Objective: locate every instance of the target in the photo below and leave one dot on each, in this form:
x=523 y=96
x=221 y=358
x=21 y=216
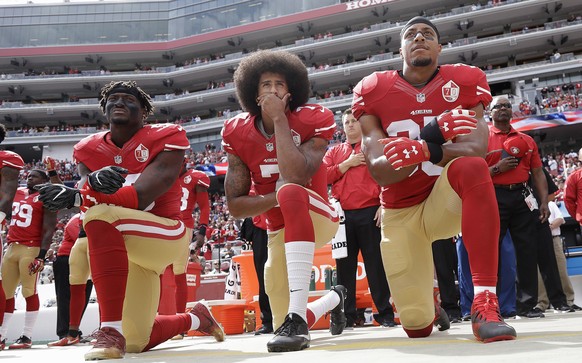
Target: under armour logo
x=407 y=152
x=446 y=127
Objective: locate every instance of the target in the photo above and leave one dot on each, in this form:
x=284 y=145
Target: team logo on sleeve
x=450 y=91
x=142 y=153
x=296 y=137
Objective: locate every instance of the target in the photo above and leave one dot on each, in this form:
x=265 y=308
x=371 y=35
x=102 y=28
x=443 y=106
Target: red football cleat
x=488 y=325
x=110 y=344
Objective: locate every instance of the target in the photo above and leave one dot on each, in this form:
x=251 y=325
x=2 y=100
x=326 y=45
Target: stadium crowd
x=223 y=228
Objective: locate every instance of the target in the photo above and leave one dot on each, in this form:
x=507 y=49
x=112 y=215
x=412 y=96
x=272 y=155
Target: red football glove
x=448 y=125
x=49 y=163
x=402 y=151
x=36 y=266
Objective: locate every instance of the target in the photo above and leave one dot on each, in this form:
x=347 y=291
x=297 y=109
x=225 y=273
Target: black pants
x=259 y=239
x=363 y=235
x=444 y=254
x=63 y=294
x=549 y=266
x=522 y=223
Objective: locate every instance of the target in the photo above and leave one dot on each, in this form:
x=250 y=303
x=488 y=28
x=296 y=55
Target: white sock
x=29 y=321
x=299 y=262
x=112 y=324
x=4 y=328
x=195 y=322
x=323 y=304
x=480 y=289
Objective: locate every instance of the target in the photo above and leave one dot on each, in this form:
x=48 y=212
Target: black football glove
x=107 y=180
x=57 y=196
x=202 y=229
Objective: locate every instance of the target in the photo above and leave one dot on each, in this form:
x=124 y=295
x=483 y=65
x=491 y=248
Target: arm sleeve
x=204 y=206
x=332 y=169
x=570 y=195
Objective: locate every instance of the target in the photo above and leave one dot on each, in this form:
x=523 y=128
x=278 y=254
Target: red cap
x=516 y=146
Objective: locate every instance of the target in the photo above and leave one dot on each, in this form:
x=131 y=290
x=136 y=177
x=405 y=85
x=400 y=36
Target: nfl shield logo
x=142 y=153
x=187 y=179
x=270 y=147
x=450 y=91
x=117 y=159
x=420 y=98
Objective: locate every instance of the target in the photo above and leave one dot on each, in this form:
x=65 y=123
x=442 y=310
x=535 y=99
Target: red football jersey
x=189 y=180
x=27 y=216
x=404 y=110
x=97 y=151
x=70 y=235
x=10 y=159
x=495 y=153
x=240 y=137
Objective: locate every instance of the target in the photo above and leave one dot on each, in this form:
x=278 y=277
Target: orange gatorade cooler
x=193 y=273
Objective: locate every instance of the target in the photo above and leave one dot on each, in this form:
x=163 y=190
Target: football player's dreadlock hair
x=130 y=87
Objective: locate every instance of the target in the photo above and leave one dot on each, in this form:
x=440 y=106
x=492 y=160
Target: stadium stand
x=55 y=57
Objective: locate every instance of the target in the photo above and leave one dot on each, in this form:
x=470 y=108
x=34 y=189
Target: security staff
x=358 y=195
x=511 y=157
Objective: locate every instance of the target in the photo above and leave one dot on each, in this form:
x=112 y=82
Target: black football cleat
x=337 y=321
x=292 y=336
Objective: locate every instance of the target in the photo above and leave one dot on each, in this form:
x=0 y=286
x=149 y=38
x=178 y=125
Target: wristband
x=436 y=152
x=41 y=254
x=432 y=133
x=52 y=173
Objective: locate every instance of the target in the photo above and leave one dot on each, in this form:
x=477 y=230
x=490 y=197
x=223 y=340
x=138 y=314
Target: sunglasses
x=499 y=105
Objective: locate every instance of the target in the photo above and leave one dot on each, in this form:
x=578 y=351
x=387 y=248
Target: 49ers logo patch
x=296 y=137
x=450 y=91
x=142 y=153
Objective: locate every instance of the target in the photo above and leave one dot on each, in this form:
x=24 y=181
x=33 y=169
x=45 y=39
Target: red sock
x=294 y=202
x=181 y=292
x=77 y=304
x=2 y=302
x=9 y=306
x=469 y=177
x=419 y=333
x=32 y=303
x=166 y=327
x=310 y=318
x=109 y=268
